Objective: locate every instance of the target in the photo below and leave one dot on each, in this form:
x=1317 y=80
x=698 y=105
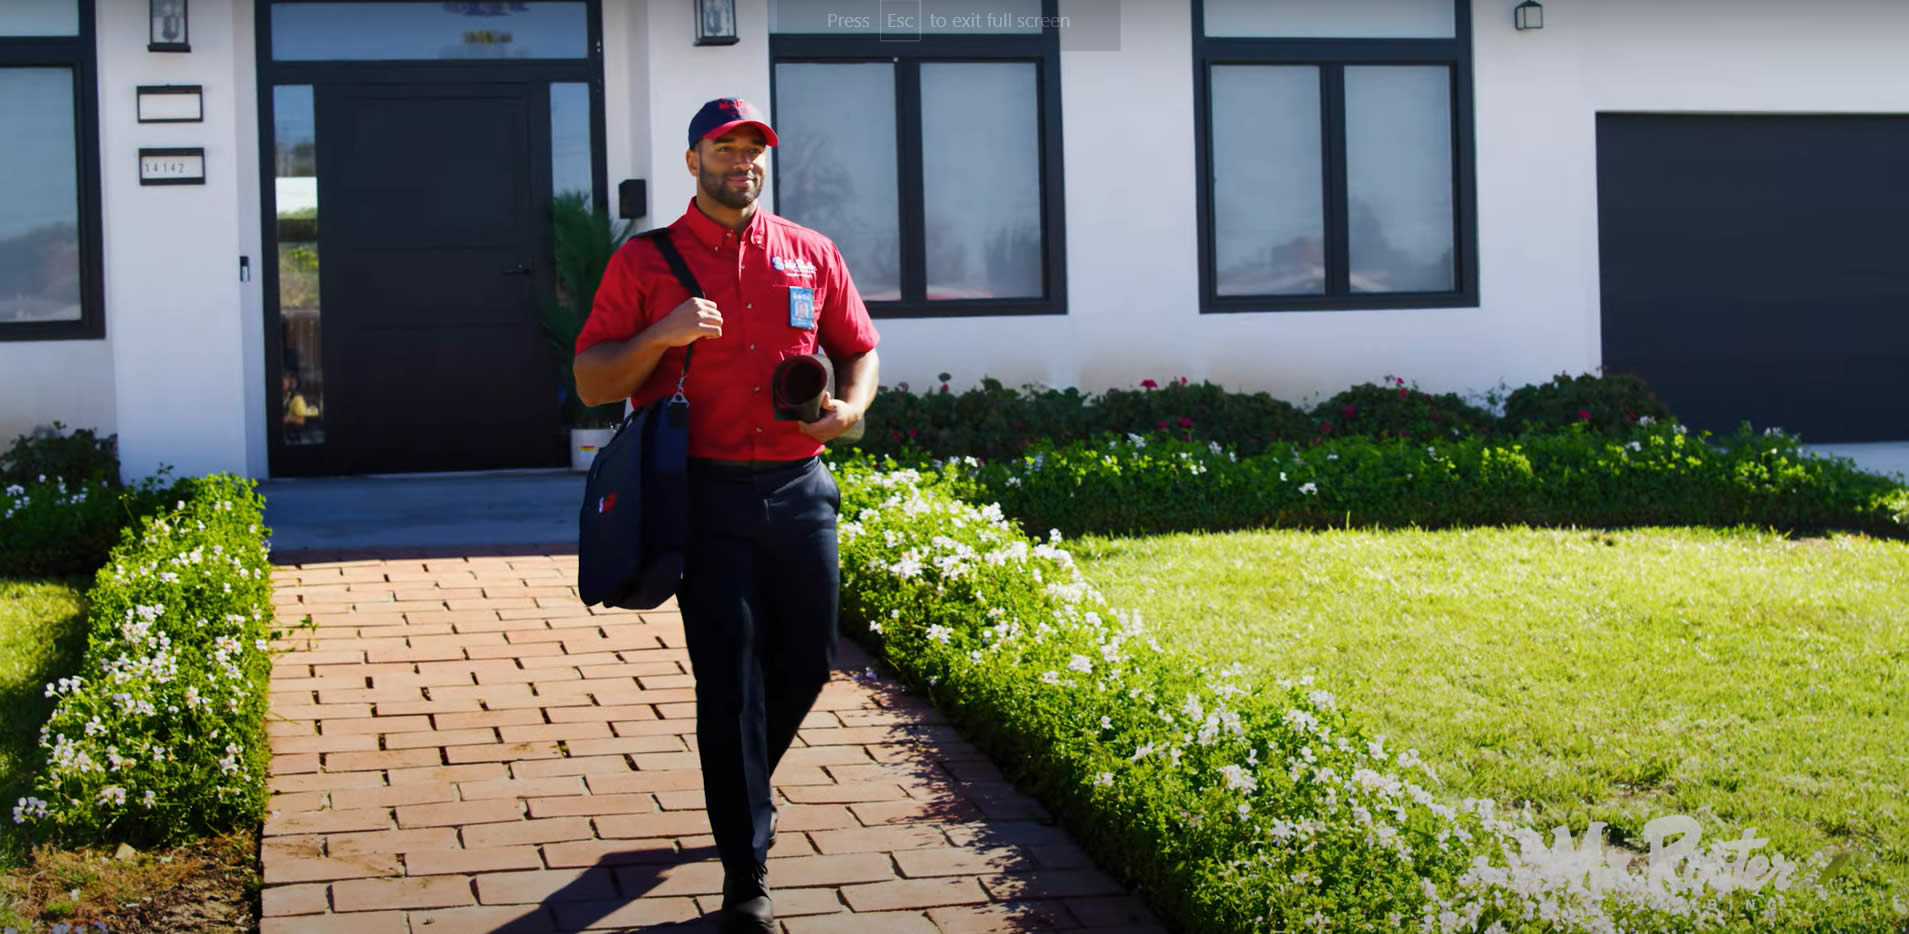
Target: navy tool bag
x=631 y=526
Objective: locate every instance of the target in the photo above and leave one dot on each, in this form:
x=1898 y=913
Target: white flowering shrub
x=161 y=734
x=1240 y=805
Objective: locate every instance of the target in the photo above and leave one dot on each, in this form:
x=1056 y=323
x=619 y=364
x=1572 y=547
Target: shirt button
x=752 y=346
x=758 y=388
x=758 y=429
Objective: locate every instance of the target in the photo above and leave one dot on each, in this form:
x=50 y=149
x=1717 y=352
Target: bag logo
x=606 y=504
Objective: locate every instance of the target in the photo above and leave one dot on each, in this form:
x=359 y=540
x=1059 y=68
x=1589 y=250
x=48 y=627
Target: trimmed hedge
x=1233 y=805
x=1655 y=475
x=161 y=737
x=994 y=422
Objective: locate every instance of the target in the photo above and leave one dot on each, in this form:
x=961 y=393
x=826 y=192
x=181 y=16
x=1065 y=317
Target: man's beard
x=717 y=186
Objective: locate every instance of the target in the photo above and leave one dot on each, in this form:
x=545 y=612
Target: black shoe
x=746 y=905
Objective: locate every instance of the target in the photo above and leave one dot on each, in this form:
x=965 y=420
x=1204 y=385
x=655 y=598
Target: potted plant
x=584 y=240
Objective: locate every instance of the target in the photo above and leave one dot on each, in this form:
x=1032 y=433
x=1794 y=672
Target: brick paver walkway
x=464 y=747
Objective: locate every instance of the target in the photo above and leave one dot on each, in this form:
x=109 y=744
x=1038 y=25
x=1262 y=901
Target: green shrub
x=1232 y=805
x=993 y=422
x=161 y=736
x=80 y=458
x=1611 y=404
x=53 y=529
x=1657 y=475
x=1396 y=411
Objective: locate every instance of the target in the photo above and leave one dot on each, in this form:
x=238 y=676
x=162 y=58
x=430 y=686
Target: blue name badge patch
x=802 y=308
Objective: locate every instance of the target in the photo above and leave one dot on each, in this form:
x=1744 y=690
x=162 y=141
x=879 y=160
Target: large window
x=1335 y=155
x=49 y=173
x=927 y=148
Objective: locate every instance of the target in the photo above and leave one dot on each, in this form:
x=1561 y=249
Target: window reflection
x=1399 y=179
x=570 y=171
x=39 y=18
x=397 y=31
x=39 y=197
x=981 y=181
x=295 y=156
x=835 y=169
x=1269 y=218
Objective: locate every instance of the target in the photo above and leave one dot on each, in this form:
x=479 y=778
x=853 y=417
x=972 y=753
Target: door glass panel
x=1399 y=178
x=1269 y=216
x=39 y=197
x=835 y=169
x=900 y=19
x=570 y=171
x=295 y=160
x=1333 y=19
x=40 y=18
x=981 y=179
x=433 y=31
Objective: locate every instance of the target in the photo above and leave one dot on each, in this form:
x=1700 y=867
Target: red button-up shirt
x=748 y=275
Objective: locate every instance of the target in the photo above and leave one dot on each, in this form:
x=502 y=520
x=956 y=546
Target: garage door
x=1757 y=268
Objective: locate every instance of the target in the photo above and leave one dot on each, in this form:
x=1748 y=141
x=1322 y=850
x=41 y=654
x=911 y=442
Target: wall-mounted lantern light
x=1529 y=15
x=168 y=27
x=715 y=22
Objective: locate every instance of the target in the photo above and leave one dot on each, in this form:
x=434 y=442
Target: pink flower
x=1149 y=384
x=1403 y=393
x=1163 y=425
x=1183 y=381
x=1351 y=410
x=1325 y=427
x=1584 y=414
x=1186 y=422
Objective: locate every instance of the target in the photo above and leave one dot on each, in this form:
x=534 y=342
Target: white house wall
x=184 y=336
x=1132 y=211
x=42 y=382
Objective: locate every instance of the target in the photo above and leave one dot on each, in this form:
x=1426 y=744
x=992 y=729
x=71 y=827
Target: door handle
x=521 y=269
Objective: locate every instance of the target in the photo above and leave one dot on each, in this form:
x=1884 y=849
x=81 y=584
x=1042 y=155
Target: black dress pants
x=759 y=597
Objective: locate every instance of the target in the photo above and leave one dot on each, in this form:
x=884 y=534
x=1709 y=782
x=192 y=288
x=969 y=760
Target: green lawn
x=1739 y=678
x=42 y=638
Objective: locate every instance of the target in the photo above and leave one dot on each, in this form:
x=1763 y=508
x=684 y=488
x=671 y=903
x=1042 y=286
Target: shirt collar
x=716 y=236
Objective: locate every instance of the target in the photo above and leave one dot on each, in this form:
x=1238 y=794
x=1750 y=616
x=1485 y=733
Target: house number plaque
x=172 y=166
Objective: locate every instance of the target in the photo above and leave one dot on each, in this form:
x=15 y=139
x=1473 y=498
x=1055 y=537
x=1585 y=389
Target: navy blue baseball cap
x=724 y=114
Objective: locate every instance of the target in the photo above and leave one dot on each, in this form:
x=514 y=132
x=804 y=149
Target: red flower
x=1183 y=381
x=944 y=387
x=1434 y=416
x=1584 y=414
x=1186 y=422
x=1351 y=410
x=1149 y=384
x=1325 y=427
x=1403 y=393
x=1163 y=425
x=911 y=432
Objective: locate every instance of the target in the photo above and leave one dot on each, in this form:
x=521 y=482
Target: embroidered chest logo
x=794 y=267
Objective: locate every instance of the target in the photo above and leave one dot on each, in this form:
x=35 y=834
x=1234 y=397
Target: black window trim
x=79 y=54
x=1043 y=50
x=1332 y=56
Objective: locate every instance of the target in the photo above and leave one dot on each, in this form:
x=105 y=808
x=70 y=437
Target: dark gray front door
x=433 y=259
x=1753 y=269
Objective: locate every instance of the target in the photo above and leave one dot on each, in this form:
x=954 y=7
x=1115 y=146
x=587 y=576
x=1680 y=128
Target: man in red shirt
x=761 y=577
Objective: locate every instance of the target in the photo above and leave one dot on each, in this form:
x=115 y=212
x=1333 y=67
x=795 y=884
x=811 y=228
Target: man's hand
x=839 y=417
x=689 y=322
